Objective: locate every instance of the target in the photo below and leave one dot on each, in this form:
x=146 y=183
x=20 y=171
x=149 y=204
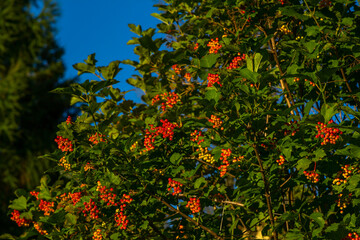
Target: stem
x=188 y=218
x=267 y=193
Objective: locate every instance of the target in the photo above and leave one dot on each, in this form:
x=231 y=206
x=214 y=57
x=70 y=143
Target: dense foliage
x=30 y=66
x=248 y=130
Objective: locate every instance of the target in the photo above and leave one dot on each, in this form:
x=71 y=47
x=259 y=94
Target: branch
x=188 y=218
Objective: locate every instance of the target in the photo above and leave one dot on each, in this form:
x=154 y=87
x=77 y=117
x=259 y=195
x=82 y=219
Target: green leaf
x=212 y=94
x=303 y=163
x=135 y=29
x=7 y=236
x=84 y=68
x=19 y=204
x=257 y=61
x=161 y=18
x=209 y=60
x=318 y=218
x=199 y=181
x=70 y=219
x=246 y=73
x=311 y=45
x=175 y=158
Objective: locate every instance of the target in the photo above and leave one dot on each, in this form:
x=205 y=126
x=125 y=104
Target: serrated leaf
x=19 y=204
x=213 y=94
x=175 y=158
x=199 y=181
x=209 y=60
x=84 y=68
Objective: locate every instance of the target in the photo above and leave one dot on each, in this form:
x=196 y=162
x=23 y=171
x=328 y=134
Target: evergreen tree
x=30 y=66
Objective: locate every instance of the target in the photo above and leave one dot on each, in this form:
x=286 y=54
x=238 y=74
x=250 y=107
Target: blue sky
x=101 y=27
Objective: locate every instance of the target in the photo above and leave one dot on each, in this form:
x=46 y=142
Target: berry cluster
x=88 y=167
x=176 y=68
x=325 y=3
x=96 y=138
x=205 y=155
x=134 y=146
x=194 y=205
x=68 y=120
x=46 y=207
x=328 y=134
x=214 y=45
x=35 y=194
x=212 y=79
x=64 y=163
x=311 y=83
x=343 y=201
x=174 y=187
x=296 y=79
x=225 y=154
x=97 y=235
x=106 y=194
x=170 y=98
x=15 y=216
x=284 y=29
x=238 y=159
x=92 y=209
x=216 y=122
x=346 y=172
x=120 y=217
x=64 y=144
x=352 y=236
x=281 y=160
x=196 y=46
x=294 y=127
x=235 y=62
x=312 y=176
x=195 y=137
x=72 y=198
x=187 y=77
x=166 y=130
x=38 y=228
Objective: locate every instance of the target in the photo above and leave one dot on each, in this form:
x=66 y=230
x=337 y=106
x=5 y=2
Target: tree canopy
x=249 y=129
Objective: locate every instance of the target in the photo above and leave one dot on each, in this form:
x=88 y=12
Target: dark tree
x=30 y=66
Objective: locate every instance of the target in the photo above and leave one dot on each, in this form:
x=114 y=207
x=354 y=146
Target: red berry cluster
x=311 y=83
x=187 y=76
x=214 y=45
x=64 y=144
x=294 y=127
x=166 y=130
x=35 y=194
x=195 y=137
x=46 y=207
x=194 y=205
x=90 y=207
x=174 y=187
x=212 y=79
x=225 y=154
x=346 y=172
x=170 y=98
x=234 y=63
x=325 y=3
x=68 y=120
x=38 y=228
x=106 y=194
x=15 y=216
x=328 y=134
x=352 y=236
x=96 y=138
x=216 y=122
x=176 y=68
x=312 y=176
x=280 y=161
x=120 y=217
x=343 y=201
x=97 y=235
x=196 y=46
x=73 y=198
x=88 y=167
